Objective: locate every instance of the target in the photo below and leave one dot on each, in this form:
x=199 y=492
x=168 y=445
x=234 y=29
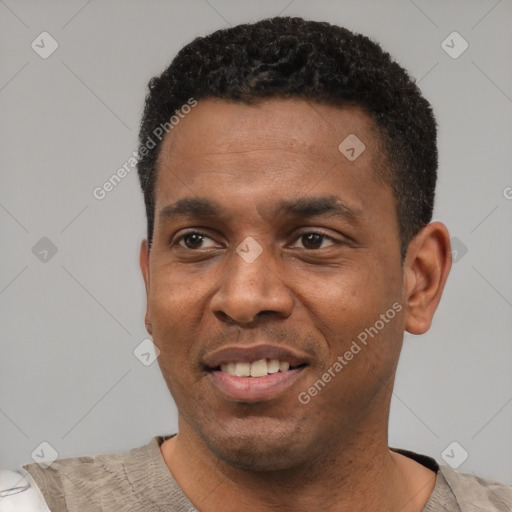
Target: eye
x=314 y=240
x=192 y=240
x=195 y=240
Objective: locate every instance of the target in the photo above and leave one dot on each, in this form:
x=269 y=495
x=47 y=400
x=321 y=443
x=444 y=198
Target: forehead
x=219 y=126
x=270 y=150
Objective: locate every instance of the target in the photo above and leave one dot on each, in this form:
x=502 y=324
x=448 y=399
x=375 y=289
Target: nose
x=248 y=289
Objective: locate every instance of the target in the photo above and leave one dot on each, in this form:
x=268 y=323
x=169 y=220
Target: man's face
x=274 y=274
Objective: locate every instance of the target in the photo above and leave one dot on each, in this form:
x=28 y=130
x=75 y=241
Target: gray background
x=69 y=325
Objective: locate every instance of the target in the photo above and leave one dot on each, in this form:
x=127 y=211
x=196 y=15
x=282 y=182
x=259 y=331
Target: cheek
x=173 y=294
x=350 y=304
x=173 y=308
x=344 y=298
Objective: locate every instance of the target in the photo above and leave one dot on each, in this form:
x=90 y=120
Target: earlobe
x=426 y=270
x=144 y=267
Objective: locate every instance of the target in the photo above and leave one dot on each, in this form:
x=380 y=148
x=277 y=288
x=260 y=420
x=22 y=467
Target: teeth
x=259 y=368
x=273 y=366
x=284 y=366
x=243 y=369
x=229 y=368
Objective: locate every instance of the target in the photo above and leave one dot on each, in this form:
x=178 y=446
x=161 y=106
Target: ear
x=144 y=267
x=426 y=268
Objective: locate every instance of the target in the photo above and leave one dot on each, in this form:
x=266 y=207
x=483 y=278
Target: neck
x=356 y=476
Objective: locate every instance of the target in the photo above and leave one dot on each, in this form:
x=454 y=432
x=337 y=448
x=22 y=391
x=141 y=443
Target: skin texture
x=311 y=294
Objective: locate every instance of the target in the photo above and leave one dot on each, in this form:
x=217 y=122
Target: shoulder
x=467 y=491
x=86 y=483
x=478 y=494
x=97 y=466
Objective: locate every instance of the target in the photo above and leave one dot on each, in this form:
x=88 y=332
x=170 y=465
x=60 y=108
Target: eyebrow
x=301 y=207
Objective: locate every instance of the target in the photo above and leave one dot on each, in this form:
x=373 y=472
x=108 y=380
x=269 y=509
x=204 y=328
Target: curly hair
x=286 y=57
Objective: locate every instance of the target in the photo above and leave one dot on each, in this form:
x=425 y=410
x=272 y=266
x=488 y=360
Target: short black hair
x=286 y=57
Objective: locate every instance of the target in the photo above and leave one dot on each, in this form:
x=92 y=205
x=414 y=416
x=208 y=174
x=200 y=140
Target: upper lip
x=248 y=354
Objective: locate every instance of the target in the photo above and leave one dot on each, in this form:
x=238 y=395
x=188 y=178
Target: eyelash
x=305 y=233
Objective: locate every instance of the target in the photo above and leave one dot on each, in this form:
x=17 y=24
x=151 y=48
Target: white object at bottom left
x=19 y=493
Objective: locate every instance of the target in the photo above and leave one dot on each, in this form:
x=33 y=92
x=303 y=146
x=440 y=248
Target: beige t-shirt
x=139 y=481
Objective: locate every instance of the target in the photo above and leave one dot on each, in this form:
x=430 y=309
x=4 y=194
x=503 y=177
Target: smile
x=254 y=374
x=251 y=389
x=260 y=368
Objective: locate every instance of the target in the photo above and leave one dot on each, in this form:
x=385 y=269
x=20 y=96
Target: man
x=288 y=169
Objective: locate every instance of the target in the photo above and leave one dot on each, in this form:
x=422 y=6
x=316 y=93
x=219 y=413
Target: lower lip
x=253 y=389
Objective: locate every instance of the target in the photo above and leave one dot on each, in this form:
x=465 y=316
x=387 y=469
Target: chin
x=261 y=445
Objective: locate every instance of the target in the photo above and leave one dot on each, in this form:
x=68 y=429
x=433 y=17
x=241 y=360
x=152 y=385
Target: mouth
x=254 y=374
x=257 y=369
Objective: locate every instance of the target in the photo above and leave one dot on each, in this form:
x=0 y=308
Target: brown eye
x=192 y=240
x=314 y=240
